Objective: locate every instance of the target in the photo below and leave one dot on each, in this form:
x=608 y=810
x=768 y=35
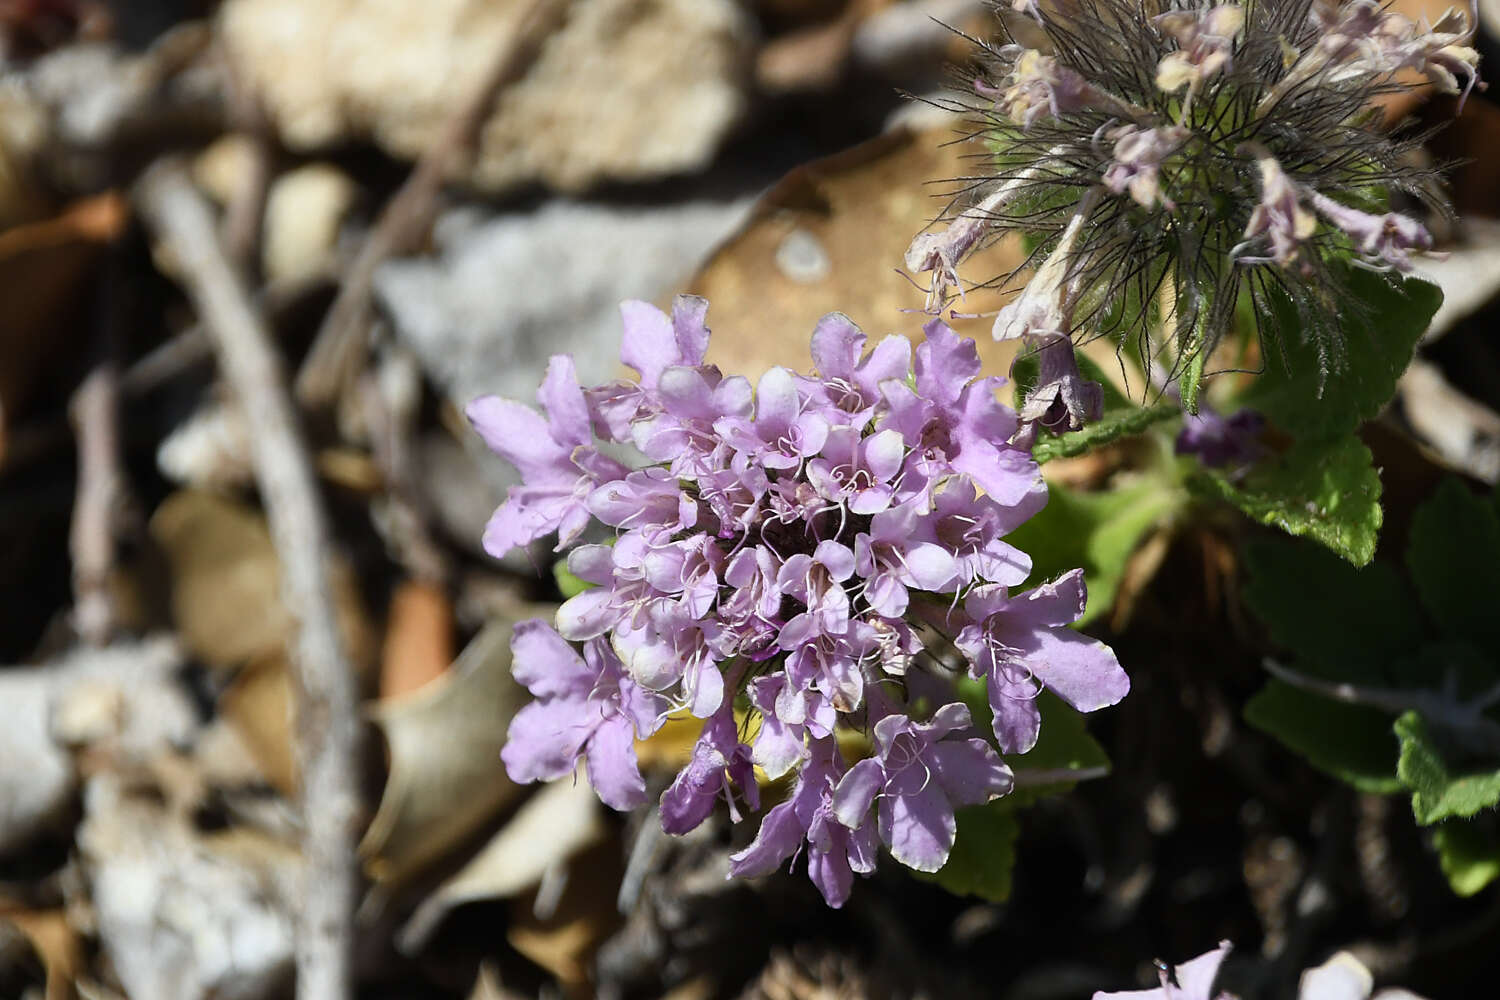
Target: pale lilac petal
x=1196 y=976
x=650 y=344
x=613 y=770
x=931 y=566
x=830 y=872
x=856 y=792
x=836 y=346
x=778 y=747
x=545 y=740
x=547 y=665
x=884 y=453
x=969 y=771
x=839 y=559
x=567 y=412
x=511 y=527
x=776 y=400
x=864 y=848
x=1017 y=720
x=945 y=363
x=890 y=359
x=919 y=829
x=1054 y=603
x=689 y=327
x=588 y=614
x=1081 y=671
x=780 y=835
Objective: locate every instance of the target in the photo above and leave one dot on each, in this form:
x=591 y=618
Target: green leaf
x=1343 y=622
x=983 y=859
x=1379 y=337
x=1454 y=557
x=1437 y=794
x=1469 y=854
x=1350 y=742
x=1112 y=426
x=570 y=585
x=1095 y=531
x=1327 y=490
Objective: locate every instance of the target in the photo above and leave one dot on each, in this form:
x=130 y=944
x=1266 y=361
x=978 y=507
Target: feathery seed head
x=1169 y=158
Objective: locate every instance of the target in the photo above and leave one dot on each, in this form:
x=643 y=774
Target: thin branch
x=338 y=351
x=326 y=708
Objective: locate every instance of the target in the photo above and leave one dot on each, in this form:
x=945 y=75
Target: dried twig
x=244 y=215
x=95 y=411
x=327 y=727
x=338 y=351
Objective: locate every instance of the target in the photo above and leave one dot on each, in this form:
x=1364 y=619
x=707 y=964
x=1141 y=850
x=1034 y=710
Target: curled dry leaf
x=556 y=823
x=444 y=740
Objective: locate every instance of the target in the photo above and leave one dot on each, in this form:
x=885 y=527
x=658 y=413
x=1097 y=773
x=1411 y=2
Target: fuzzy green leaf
x=983 y=860
x=1349 y=742
x=1379 y=334
x=1111 y=427
x=1095 y=531
x=1327 y=490
x=1469 y=854
x=1454 y=558
x=1437 y=794
x=1343 y=622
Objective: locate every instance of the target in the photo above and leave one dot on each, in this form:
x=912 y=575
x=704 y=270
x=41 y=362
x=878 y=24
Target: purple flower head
x=914 y=782
x=1192 y=980
x=1020 y=645
x=778 y=563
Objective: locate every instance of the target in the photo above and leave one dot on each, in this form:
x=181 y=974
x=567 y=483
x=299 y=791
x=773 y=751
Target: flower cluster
x=817 y=552
x=1173 y=156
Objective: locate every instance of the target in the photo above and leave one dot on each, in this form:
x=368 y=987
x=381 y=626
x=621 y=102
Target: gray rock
x=623 y=90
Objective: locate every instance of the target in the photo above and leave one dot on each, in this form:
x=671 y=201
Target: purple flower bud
x=1387 y=239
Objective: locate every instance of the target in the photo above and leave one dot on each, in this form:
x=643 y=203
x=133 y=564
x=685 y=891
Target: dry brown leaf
x=445 y=772
x=43 y=266
x=258 y=705
x=226 y=591
x=560 y=820
x=418 y=638
x=829 y=238
x=56 y=944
